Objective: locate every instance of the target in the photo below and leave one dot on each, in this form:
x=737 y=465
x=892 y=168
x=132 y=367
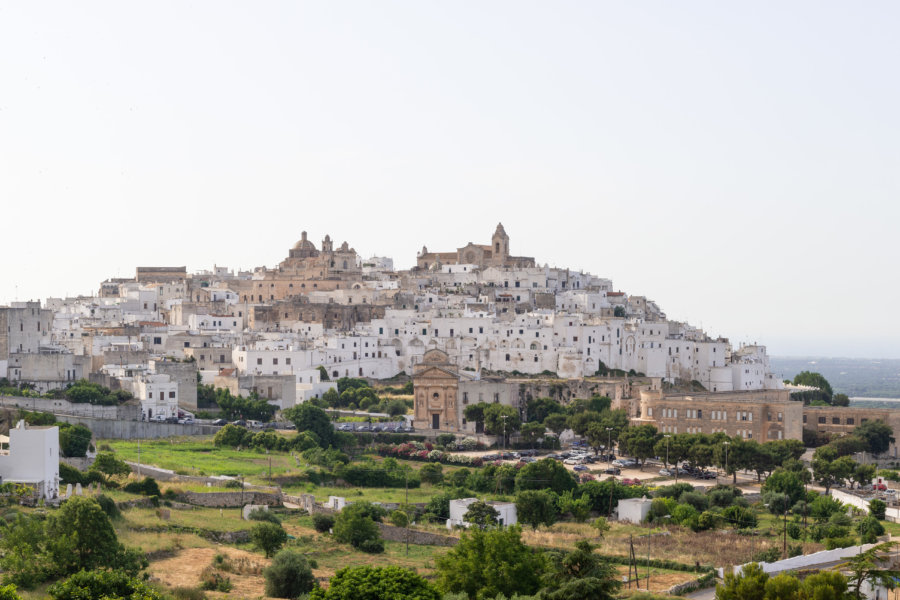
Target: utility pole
x=784 y=533
x=504 y=417
x=608 y=444
x=406 y=507
x=241 y=509
x=726 y=444
x=139 y=457
x=648 y=561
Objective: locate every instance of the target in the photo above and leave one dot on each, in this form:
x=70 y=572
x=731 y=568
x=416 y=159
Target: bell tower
x=500 y=243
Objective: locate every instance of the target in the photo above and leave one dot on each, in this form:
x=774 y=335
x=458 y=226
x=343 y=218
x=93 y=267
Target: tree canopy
x=376 y=583
x=486 y=563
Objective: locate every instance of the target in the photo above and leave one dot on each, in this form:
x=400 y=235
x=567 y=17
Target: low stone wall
x=420 y=538
x=231 y=499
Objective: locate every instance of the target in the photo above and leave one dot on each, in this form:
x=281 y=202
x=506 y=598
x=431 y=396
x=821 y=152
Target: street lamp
x=504 y=417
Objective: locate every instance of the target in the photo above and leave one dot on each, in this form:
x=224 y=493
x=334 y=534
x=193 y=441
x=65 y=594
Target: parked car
x=528 y=459
x=239 y=423
x=613 y=471
x=345 y=427
x=158 y=419
x=220 y=422
x=572 y=461
x=579 y=468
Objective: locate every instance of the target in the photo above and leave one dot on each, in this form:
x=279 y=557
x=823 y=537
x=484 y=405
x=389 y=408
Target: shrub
x=740 y=517
x=289 y=575
x=839 y=542
x=673 y=491
x=399 y=518
x=661 y=507
x=268 y=537
x=869 y=529
x=188 y=593
x=372 y=546
x=323 y=522
x=147 y=487
x=876 y=508
x=432 y=473
x=683 y=514
x=355 y=525
x=69 y=474
x=259 y=514
x=706 y=520
x=109 y=506
x=722 y=497
x=695 y=499
x=102 y=584
x=768 y=555
x=212 y=580
x=795 y=531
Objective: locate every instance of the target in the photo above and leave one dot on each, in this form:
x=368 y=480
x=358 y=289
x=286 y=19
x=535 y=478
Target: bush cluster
x=428 y=453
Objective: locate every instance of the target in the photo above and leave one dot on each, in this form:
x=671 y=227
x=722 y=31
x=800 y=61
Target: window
x=465 y=397
x=274 y=361
x=287 y=361
x=171 y=394
x=804 y=418
x=835 y=420
x=259 y=361
x=822 y=420
x=157 y=340
x=850 y=421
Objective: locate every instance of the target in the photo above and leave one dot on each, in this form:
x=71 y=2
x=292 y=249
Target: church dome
x=304 y=244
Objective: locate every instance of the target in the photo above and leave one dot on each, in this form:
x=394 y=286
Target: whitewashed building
x=32 y=459
x=458 y=508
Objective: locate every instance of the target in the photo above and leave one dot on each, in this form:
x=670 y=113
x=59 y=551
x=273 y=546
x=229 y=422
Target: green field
x=198 y=456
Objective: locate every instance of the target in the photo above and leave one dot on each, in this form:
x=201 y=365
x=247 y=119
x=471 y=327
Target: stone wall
x=232 y=499
x=420 y=538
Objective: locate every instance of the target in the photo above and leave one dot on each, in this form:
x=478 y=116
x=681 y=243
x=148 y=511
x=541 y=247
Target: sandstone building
x=494 y=255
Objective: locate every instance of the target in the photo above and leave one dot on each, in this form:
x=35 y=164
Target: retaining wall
x=126 y=411
x=420 y=538
x=109 y=429
x=231 y=499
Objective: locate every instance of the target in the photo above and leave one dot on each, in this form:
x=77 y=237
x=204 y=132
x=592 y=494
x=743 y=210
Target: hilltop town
x=288 y=333
x=347 y=409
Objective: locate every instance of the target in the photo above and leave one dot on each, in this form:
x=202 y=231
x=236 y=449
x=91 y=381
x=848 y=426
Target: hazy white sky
x=736 y=163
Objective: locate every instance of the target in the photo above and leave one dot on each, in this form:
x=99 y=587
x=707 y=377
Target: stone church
x=494 y=255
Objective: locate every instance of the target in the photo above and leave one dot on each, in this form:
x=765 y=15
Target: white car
x=574 y=460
